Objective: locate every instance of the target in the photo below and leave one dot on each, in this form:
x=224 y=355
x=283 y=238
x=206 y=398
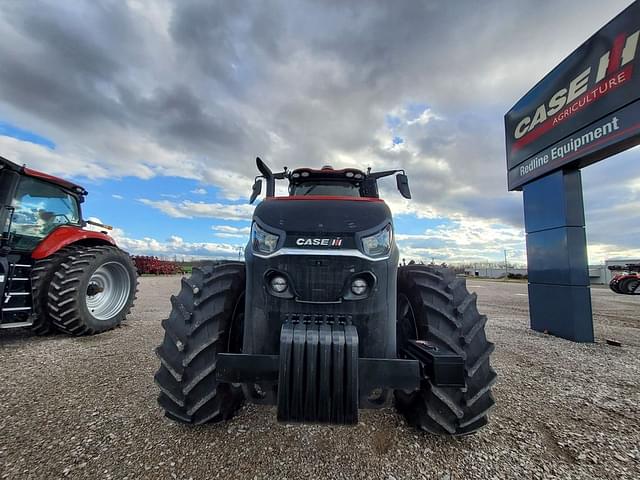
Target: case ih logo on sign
x=599 y=78
x=581 y=91
x=318 y=242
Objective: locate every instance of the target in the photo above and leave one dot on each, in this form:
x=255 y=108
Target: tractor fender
x=66 y=235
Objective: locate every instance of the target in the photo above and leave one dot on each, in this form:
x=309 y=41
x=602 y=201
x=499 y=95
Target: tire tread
x=194 y=331
x=63 y=297
x=446 y=315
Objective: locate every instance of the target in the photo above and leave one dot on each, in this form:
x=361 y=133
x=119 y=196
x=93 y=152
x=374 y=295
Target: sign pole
x=558 y=270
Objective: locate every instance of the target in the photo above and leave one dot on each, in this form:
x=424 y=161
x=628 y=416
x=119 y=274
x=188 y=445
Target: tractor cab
x=33 y=204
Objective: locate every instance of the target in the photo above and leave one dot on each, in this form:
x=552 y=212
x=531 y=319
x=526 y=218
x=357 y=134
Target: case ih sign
x=586 y=109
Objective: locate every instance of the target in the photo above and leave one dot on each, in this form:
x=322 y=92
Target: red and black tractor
x=321 y=320
x=55 y=274
x=626 y=281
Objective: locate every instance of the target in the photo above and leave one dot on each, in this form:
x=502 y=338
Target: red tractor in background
x=54 y=273
x=627 y=281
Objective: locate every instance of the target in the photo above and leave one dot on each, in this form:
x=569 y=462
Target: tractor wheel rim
x=108 y=290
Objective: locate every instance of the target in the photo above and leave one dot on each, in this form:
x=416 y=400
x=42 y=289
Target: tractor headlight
x=359 y=286
x=278 y=284
x=379 y=243
x=263 y=241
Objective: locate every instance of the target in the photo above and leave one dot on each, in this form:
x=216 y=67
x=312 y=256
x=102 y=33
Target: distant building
x=598 y=274
x=493 y=272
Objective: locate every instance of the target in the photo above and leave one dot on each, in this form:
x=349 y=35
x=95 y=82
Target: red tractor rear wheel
x=629 y=285
x=92 y=291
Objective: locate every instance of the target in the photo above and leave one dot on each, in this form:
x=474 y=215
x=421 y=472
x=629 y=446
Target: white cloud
x=232 y=185
x=228 y=231
x=465 y=240
x=599 y=252
x=231 y=229
x=230 y=235
x=425 y=117
x=189 y=209
x=174 y=246
x=199 y=191
x=54 y=162
x=117 y=197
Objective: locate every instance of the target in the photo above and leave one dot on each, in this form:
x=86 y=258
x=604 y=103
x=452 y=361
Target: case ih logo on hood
x=613 y=69
x=319 y=242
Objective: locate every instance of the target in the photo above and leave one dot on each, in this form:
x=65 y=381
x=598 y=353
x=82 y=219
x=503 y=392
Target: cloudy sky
x=159 y=108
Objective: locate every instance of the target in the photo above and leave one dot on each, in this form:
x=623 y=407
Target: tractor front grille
x=319 y=278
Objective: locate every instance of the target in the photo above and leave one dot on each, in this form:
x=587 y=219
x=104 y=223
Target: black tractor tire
x=202 y=323
x=434 y=305
x=41 y=276
x=634 y=287
x=614 y=285
x=84 y=268
x=622 y=285
x=629 y=285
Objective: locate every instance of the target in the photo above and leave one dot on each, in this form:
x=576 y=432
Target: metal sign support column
x=559 y=292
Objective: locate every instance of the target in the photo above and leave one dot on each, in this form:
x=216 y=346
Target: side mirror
x=403 y=185
x=255 y=190
x=262 y=167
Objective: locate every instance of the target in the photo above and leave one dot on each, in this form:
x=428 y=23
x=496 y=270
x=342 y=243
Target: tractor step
x=15 y=325
x=16 y=303
x=444 y=369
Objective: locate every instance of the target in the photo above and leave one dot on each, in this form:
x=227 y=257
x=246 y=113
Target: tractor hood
x=321 y=214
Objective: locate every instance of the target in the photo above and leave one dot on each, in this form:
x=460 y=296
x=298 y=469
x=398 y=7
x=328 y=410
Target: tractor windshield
x=325 y=188
x=39 y=208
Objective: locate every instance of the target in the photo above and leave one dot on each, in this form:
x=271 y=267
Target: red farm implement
x=155 y=266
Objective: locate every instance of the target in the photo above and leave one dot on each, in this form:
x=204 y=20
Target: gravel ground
x=86 y=408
